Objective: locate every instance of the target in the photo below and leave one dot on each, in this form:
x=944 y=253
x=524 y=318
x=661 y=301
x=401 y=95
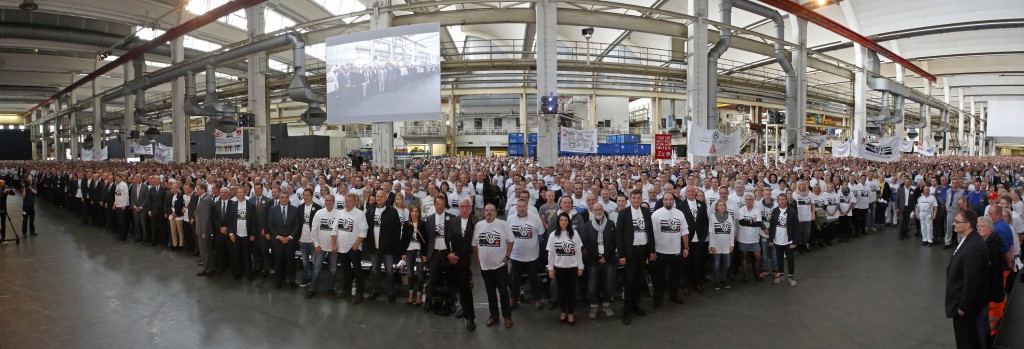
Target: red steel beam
x=816 y=18
x=174 y=33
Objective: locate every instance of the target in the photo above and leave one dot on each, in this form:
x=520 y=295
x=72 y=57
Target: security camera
x=588 y=33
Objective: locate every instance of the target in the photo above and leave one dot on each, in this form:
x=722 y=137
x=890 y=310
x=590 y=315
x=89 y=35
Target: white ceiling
x=969 y=59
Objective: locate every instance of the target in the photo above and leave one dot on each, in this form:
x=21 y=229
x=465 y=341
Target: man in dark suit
x=242 y=240
x=84 y=206
x=261 y=249
x=156 y=210
x=459 y=237
x=905 y=203
x=438 y=246
x=634 y=235
x=696 y=214
x=97 y=196
x=966 y=281
x=224 y=221
x=383 y=243
x=284 y=226
x=138 y=198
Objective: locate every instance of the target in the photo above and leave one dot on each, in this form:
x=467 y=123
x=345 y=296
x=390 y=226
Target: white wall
x=615 y=109
x=1005 y=119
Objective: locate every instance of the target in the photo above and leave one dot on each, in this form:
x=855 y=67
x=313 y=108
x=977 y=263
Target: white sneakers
x=792 y=282
x=778 y=280
x=608 y=310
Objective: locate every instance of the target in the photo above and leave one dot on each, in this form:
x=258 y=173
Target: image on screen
x=383 y=75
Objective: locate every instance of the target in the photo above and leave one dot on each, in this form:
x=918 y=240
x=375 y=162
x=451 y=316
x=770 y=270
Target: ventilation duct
x=191 y=100
x=299 y=89
x=211 y=103
x=883 y=113
x=944 y=124
x=897 y=116
x=716 y=52
x=923 y=121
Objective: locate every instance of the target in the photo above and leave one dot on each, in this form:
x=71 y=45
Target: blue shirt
x=1002 y=229
x=975 y=198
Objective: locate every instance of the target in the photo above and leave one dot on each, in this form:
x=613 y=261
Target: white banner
x=841 y=150
x=163 y=154
x=228 y=142
x=808 y=141
x=139 y=149
x=578 y=141
x=925 y=150
x=101 y=155
x=887 y=149
x=703 y=142
x=906 y=146
x=87 y=155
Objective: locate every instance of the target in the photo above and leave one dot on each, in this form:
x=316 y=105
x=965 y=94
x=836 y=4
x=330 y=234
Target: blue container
x=625 y=149
x=633 y=139
x=642 y=149
x=515 y=150
x=515 y=138
x=532 y=138
x=612 y=139
x=605 y=148
x=533 y=150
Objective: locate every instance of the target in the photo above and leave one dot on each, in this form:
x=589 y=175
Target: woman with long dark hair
x=565 y=265
x=415 y=239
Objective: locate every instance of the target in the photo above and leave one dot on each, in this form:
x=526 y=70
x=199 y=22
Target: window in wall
x=200 y=44
x=159 y=65
x=497 y=123
x=235 y=19
x=274 y=21
x=478 y=123
x=518 y=124
x=148 y=33
x=279 y=66
x=339 y=7
x=318 y=51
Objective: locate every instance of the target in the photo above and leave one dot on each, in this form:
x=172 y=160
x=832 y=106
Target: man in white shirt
x=350 y=230
x=324 y=232
x=121 y=207
x=926 y=211
x=670 y=227
x=493 y=245
x=526 y=228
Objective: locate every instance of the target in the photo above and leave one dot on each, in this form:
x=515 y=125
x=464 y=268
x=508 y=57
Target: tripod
x=17 y=240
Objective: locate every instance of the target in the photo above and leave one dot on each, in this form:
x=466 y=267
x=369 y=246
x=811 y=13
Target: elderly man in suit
x=284 y=226
x=459 y=236
x=203 y=227
x=696 y=214
x=156 y=211
x=438 y=247
x=262 y=261
x=138 y=197
x=966 y=281
x=905 y=203
x=224 y=225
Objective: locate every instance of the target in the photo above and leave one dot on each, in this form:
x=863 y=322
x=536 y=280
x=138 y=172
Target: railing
x=424 y=131
x=360 y=133
x=485 y=131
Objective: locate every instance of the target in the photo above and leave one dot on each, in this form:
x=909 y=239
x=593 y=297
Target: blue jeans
x=871 y=214
x=984 y=331
x=767 y=256
x=594 y=274
x=318 y=264
x=307 y=253
x=721 y=264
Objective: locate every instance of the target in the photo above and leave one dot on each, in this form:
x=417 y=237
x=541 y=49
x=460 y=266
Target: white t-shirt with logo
x=526 y=231
x=669 y=228
x=639 y=227
x=491 y=240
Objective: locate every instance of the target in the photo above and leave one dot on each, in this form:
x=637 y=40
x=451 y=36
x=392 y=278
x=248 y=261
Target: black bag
x=442 y=302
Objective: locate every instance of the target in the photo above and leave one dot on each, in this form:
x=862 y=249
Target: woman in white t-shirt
x=414 y=237
x=804 y=214
x=831 y=214
x=845 y=222
x=722 y=235
x=402 y=208
x=565 y=265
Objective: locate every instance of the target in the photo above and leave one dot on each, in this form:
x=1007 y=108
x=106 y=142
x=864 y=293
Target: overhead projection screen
x=383 y=75
x=1005 y=119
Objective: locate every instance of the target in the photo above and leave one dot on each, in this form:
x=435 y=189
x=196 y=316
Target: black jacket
x=292 y=226
x=408 y=235
x=624 y=232
x=431 y=232
x=698 y=226
x=178 y=208
x=262 y=213
x=791 y=222
x=996 y=291
x=589 y=237
x=966 y=278
x=390 y=232
x=459 y=241
x=225 y=218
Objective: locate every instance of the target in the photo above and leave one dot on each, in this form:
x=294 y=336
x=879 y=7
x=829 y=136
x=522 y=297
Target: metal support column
x=33 y=132
x=129 y=112
x=960 y=120
x=655 y=117
x=592 y=110
x=58 y=144
x=800 y=67
x=899 y=129
x=259 y=139
x=97 y=119
x=974 y=129
x=76 y=147
x=180 y=138
x=945 y=99
x=383 y=133
x=523 y=112
x=982 y=119
x=547 y=80
x=860 y=92
x=42 y=113
x=926 y=131
x=697 y=70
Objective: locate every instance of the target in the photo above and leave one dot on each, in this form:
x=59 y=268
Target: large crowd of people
x=587 y=231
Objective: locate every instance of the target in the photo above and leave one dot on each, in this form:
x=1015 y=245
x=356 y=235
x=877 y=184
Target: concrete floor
x=75 y=286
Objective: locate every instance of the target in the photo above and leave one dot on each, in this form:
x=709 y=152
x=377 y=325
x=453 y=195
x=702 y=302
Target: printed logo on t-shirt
x=671 y=225
x=326 y=223
x=306 y=218
x=565 y=248
x=639 y=225
x=376 y=220
x=241 y=214
x=489 y=239
x=723 y=227
x=783 y=219
x=346 y=225
x=522 y=231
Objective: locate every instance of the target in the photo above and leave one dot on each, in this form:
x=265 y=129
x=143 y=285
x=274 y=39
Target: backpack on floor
x=442 y=301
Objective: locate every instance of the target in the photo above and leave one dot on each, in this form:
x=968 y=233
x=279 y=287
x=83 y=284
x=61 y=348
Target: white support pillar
x=259 y=139
x=547 y=80
x=974 y=128
x=960 y=120
x=800 y=68
x=592 y=111
x=76 y=147
x=523 y=112
x=33 y=132
x=129 y=111
x=655 y=117
x=42 y=113
x=58 y=145
x=926 y=131
x=945 y=99
x=982 y=120
x=900 y=129
x=97 y=119
x=180 y=130
x=860 y=92
x=383 y=133
x=697 y=70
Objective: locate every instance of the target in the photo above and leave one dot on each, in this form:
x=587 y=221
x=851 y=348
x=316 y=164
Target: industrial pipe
x=716 y=52
x=792 y=119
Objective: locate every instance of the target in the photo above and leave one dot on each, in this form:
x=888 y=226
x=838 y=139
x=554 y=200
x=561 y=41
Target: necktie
x=224 y=208
x=284 y=213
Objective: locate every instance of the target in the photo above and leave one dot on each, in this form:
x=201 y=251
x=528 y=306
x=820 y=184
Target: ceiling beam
x=626 y=33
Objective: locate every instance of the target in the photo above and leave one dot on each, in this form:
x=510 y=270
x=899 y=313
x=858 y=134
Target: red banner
x=662 y=146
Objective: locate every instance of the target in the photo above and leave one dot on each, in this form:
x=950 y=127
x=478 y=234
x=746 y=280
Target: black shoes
x=371 y=296
x=640 y=311
x=626 y=319
x=310 y=294
x=470 y=325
